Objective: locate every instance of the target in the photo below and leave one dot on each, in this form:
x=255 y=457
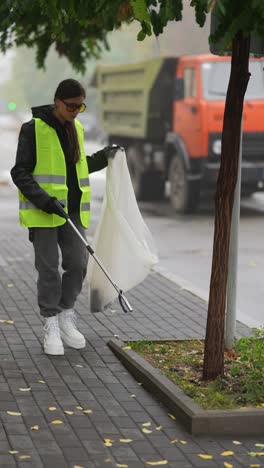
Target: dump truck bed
x=136 y=100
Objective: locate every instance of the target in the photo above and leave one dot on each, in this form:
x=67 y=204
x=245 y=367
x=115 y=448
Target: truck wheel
x=184 y=193
x=148 y=185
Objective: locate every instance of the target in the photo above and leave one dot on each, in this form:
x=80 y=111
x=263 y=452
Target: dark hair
x=71 y=88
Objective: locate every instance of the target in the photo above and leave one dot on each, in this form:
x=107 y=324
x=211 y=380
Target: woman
x=51 y=166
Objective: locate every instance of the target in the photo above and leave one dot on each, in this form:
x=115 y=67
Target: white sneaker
x=52 y=339
x=68 y=328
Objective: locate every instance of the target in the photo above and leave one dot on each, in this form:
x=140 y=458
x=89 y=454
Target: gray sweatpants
x=56 y=292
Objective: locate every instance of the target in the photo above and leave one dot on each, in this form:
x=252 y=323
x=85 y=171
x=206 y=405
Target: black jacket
x=21 y=173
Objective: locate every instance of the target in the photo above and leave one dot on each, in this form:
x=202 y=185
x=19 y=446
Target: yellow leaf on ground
x=158 y=463
x=183 y=442
x=79 y=365
x=78 y=407
x=126 y=347
x=25 y=389
x=254 y=466
x=228 y=465
x=24 y=457
x=78 y=466
x=57 y=421
x=146 y=431
x=174 y=441
x=158 y=428
x=236 y=442
x=121 y=466
x=147 y=424
x=108 y=442
x=171 y=416
x=41 y=381
x=133 y=396
x=13 y=452
x=126 y=441
x=87 y=411
x=259 y=445
x=10 y=321
x=34 y=428
x=256 y=454
x=13 y=413
x=52 y=408
x=227 y=453
x=69 y=412
x=205 y=456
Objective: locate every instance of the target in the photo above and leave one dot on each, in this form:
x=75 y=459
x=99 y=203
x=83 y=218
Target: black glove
x=55 y=207
x=110 y=151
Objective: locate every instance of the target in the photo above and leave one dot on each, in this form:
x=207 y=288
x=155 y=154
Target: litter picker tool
x=121 y=297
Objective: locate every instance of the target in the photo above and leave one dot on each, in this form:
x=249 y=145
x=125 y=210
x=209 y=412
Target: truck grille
x=253 y=147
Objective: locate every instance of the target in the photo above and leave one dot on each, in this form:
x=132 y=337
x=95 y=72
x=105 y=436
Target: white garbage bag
x=122 y=241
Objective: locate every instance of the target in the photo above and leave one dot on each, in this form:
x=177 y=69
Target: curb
x=201 y=294
x=197 y=421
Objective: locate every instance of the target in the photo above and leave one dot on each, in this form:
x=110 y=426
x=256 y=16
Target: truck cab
x=194 y=145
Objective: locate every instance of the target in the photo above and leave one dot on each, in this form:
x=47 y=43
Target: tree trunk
x=224 y=197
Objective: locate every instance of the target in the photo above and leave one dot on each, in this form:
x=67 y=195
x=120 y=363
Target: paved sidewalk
x=89 y=392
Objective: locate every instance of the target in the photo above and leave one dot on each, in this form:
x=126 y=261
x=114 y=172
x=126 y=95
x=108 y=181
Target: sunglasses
x=72 y=106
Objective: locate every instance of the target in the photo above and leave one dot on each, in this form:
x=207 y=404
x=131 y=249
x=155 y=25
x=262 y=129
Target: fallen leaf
x=87 y=411
x=259 y=445
x=69 y=412
x=139 y=383
x=227 y=453
x=79 y=407
x=174 y=441
x=183 y=442
x=205 y=457
x=228 y=465
x=121 y=466
x=57 y=421
x=79 y=365
x=78 y=466
x=41 y=381
x=25 y=389
x=34 y=428
x=133 y=396
x=10 y=322
x=254 y=466
x=236 y=442
x=24 y=457
x=13 y=413
x=126 y=441
x=256 y=454
x=13 y=452
x=126 y=347
x=161 y=462
x=146 y=424
x=52 y=408
x=10 y=285
x=146 y=431
x=108 y=442
x=158 y=428
x=171 y=416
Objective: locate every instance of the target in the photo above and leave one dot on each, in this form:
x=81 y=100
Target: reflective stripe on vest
x=50 y=174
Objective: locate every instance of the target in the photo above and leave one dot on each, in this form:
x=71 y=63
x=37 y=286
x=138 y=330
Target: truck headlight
x=216 y=147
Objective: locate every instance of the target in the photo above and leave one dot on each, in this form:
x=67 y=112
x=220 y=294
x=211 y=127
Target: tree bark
x=224 y=197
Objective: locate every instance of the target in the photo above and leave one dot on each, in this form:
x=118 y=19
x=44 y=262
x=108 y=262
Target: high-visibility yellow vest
x=50 y=174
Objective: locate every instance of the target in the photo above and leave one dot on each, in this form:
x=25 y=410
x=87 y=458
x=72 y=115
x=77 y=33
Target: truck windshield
x=215 y=78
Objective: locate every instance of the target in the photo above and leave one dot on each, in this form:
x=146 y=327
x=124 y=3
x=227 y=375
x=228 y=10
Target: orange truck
x=168 y=115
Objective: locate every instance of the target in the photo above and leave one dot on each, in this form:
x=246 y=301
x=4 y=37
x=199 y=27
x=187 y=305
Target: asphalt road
x=184 y=242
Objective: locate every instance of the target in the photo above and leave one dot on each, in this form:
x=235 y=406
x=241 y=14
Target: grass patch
x=182 y=362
